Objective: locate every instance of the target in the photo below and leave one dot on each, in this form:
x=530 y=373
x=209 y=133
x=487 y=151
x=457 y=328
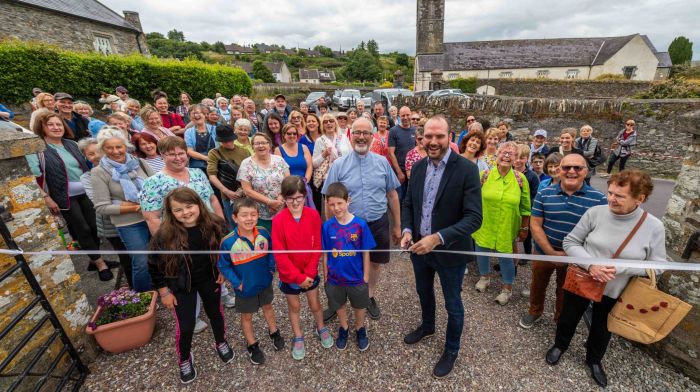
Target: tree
x=175 y=35
x=373 y=48
x=261 y=72
x=362 y=66
x=362 y=45
x=154 y=35
x=324 y=50
x=402 y=59
x=205 y=45
x=680 y=50
x=219 y=47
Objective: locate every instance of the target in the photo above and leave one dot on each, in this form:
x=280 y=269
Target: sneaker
x=342 y=341
x=528 y=320
x=277 y=340
x=604 y=175
x=298 y=349
x=200 y=326
x=229 y=301
x=504 y=297
x=373 y=309
x=324 y=335
x=362 y=340
x=105 y=275
x=482 y=284
x=417 y=335
x=525 y=293
x=225 y=352
x=187 y=371
x=328 y=316
x=257 y=357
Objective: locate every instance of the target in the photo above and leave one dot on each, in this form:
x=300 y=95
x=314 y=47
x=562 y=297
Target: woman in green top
x=505 y=202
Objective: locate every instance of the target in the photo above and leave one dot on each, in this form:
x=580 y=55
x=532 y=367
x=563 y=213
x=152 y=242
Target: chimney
x=133 y=18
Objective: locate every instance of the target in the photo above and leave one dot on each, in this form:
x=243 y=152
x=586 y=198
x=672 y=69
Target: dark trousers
x=424 y=268
x=124 y=259
x=318 y=199
x=598 y=337
x=541 y=275
x=80 y=218
x=613 y=159
x=185 y=316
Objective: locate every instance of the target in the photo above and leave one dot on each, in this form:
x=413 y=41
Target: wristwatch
x=525 y=228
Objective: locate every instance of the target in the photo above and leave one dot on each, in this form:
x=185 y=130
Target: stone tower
x=430 y=25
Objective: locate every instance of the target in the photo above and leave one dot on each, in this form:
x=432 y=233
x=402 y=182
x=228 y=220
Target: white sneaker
x=229 y=301
x=504 y=297
x=200 y=326
x=482 y=284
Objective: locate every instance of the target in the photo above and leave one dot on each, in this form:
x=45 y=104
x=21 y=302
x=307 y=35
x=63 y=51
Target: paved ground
x=656 y=205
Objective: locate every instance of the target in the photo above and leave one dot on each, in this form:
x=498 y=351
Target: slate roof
x=238 y=48
x=529 y=53
x=86 y=9
x=308 y=73
x=664 y=60
x=326 y=76
x=273 y=67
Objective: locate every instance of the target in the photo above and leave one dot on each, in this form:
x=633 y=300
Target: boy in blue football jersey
x=346 y=267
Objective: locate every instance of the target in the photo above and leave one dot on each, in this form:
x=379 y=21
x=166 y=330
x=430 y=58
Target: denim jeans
x=228 y=213
x=136 y=237
x=424 y=269
x=507 y=265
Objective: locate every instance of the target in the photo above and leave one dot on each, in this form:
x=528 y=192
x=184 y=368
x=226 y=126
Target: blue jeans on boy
x=136 y=237
x=424 y=269
x=507 y=265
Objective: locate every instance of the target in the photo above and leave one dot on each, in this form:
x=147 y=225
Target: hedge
x=467 y=85
x=24 y=66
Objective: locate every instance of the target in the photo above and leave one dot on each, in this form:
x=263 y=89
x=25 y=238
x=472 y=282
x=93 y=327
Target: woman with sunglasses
x=332 y=144
x=295 y=153
x=297 y=120
x=622 y=147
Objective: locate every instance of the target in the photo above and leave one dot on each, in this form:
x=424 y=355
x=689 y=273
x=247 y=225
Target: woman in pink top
x=380 y=140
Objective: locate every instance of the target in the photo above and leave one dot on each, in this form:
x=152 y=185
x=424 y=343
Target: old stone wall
x=582 y=89
x=35 y=24
x=34 y=229
x=661 y=141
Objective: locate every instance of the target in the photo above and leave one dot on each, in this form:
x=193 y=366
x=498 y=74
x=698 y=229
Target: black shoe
x=225 y=352
x=256 y=355
x=110 y=264
x=373 y=309
x=598 y=374
x=105 y=275
x=553 y=355
x=328 y=316
x=417 y=335
x=187 y=371
x=277 y=340
x=445 y=364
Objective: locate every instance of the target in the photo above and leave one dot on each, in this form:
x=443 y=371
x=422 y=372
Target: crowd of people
x=221 y=175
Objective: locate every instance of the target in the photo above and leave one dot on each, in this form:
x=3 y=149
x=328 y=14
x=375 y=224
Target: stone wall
x=661 y=141
x=35 y=24
x=34 y=229
x=565 y=88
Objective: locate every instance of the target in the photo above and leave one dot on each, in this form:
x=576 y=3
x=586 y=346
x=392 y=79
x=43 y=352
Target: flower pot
x=125 y=335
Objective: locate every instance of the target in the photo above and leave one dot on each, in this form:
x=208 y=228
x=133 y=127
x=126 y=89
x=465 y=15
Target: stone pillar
x=34 y=229
x=430 y=26
x=398 y=79
x=436 y=81
x=135 y=20
x=682 y=221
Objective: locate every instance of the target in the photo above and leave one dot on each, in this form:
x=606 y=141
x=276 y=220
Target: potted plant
x=124 y=320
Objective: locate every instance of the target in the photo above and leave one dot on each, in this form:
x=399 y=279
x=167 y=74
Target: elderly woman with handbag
x=332 y=145
x=621 y=225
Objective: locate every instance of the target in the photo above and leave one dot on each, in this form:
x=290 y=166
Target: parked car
x=314 y=96
x=447 y=92
x=424 y=93
x=386 y=96
x=367 y=99
x=347 y=99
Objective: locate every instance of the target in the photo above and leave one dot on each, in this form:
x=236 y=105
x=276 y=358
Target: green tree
x=205 y=45
x=324 y=50
x=362 y=66
x=361 y=46
x=261 y=72
x=402 y=59
x=680 y=50
x=176 y=35
x=373 y=48
x=154 y=35
x=219 y=47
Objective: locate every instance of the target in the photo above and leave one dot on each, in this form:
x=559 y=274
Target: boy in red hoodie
x=299 y=228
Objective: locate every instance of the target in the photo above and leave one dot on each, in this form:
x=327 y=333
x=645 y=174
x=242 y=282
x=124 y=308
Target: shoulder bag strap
x=630 y=235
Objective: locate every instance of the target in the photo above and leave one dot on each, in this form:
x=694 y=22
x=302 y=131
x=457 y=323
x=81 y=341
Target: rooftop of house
x=86 y=9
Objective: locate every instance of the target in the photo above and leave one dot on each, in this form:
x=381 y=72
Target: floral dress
x=267 y=181
x=412 y=157
x=489 y=159
x=380 y=145
x=156 y=187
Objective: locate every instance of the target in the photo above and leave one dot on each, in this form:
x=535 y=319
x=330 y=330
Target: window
x=506 y=74
x=543 y=73
x=629 y=72
x=572 y=74
x=103 y=44
x=452 y=76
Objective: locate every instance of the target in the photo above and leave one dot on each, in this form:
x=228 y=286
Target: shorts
x=380 y=232
x=295 y=289
x=339 y=295
x=252 y=304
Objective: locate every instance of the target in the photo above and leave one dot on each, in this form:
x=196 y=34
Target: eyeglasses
x=415 y=119
x=298 y=199
x=296 y=118
x=259 y=144
x=630 y=124
x=291 y=133
x=470 y=120
x=328 y=121
x=358 y=133
x=175 y=155
x=576 y=168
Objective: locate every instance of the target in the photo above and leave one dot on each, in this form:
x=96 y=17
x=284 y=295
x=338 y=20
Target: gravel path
x=496 y=354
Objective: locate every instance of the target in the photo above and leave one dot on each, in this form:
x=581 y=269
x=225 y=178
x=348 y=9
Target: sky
x=392 y=23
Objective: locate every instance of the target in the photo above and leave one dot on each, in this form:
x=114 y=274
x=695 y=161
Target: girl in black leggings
x=188 y=225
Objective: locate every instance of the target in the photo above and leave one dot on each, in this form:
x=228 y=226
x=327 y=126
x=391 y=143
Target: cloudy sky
x=391 y=23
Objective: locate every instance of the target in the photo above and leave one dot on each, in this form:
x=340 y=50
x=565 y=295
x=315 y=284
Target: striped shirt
x=561 y=212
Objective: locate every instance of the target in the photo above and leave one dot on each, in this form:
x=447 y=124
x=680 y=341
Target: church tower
x=430 y=25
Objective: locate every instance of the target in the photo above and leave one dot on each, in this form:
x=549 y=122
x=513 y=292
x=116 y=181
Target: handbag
x=580 y=282
x=644 y=313
x=320 y=173
x=226 y=172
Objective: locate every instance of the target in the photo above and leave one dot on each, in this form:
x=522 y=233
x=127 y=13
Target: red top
x=288 y=234
x=171 y=119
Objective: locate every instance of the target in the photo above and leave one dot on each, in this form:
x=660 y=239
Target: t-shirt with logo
x=346 y=243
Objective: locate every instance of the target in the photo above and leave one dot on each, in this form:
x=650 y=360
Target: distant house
x=314 y=76
x=80 y=25
x=278 y=69
x=238 y=49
